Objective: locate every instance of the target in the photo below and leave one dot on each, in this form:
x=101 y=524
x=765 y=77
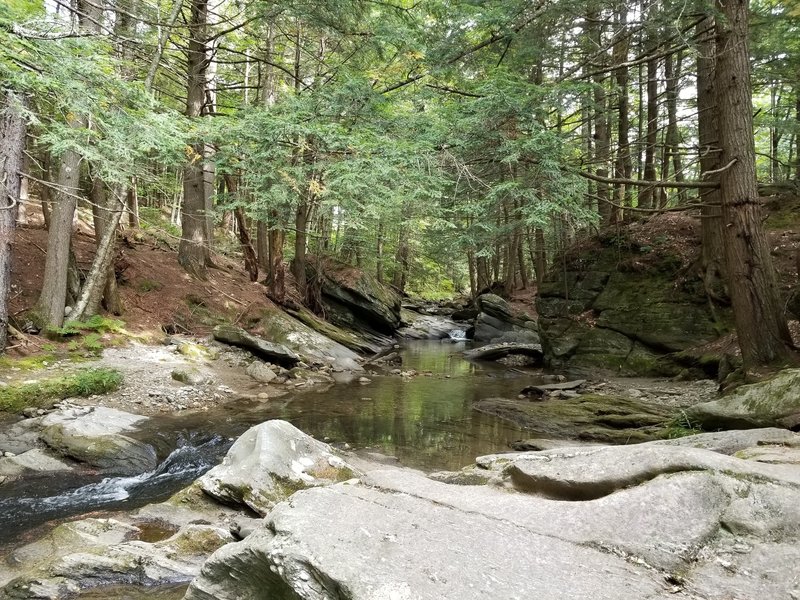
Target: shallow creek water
x=425 y=421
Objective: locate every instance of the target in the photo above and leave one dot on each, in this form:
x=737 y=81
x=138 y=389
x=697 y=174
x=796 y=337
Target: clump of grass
x=148 y=285
x=88 y=382
x=679 y=427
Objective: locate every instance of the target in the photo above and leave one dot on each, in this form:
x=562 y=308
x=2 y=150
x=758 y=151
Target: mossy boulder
x=620 y=308
x=303 y=340
x=588 y=417
x=771 y=403
x=356 y=300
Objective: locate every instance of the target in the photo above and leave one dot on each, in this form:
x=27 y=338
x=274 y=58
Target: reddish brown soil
x=156 y=292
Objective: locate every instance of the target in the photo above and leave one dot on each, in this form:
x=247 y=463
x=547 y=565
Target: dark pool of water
x=425 y=421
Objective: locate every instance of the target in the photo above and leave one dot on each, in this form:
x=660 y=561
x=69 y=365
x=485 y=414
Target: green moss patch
x=14 y=398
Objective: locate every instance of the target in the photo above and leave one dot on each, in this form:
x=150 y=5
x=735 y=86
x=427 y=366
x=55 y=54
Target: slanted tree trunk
x=12 y=132
x=88 y=303
x=760 y=322
x=103 y=215
x=250 y=259
x=193 y=248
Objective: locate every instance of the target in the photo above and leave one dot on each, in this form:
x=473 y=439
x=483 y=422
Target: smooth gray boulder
x=260 y=372
x=95 y=436
x=645 y=521
x=268 y=463
x=276 y=353
x=32 y=460
x=771 y=403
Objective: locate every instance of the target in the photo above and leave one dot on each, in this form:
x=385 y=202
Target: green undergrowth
x=89 y=336
x=15 y=397
x=678 y=427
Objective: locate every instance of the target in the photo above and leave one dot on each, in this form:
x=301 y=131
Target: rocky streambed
x=713 y=516
x=657 y=519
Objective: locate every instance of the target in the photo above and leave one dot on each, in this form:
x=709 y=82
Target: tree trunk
x=250 y=259
x=52 y=299
x=672 y=155
x=104 y=215
x=276 y=281
x=262 y=245
x=602 y=137
x=541 y=257
x=300 y=242
x=708 y=136
x=401 y=258
x=193 y=248
x=647 y=194
x=760 y=322
x=12 y=132
x=379 y=253
x=91 y=294
x=622 y=167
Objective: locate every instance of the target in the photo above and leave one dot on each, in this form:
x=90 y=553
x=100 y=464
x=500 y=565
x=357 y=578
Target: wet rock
x=96 y=437
x=277 y=353
x=497 y=351
x=33 y=460
x=771 y=403
x=100 y=552
x=543 y=389
x=260 y=372
x=268 y=463
x=426 y=327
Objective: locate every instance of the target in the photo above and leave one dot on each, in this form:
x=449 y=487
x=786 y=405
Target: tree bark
x=12 y=132
x=91 y=294
x=647 y=194
x=250 y=258
x=761 y=325
x=103 y=215
x=193 y=248
x=622 y=166
x=708 y=136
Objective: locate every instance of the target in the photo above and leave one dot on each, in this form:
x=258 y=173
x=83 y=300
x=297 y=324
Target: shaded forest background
x=445 y=147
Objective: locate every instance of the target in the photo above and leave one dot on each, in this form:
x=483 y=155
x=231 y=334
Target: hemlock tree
x=760 y=323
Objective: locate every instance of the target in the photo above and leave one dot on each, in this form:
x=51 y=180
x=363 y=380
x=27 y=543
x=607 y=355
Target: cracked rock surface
x=690 y=520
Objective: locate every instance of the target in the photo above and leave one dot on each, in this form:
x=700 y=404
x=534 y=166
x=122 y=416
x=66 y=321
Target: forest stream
x=426 y=422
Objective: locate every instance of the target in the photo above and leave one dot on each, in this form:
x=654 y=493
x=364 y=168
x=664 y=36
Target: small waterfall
x=458 y=335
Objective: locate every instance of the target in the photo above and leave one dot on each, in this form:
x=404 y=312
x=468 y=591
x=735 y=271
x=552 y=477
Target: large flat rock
x=98 y=438
x=649 y=521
